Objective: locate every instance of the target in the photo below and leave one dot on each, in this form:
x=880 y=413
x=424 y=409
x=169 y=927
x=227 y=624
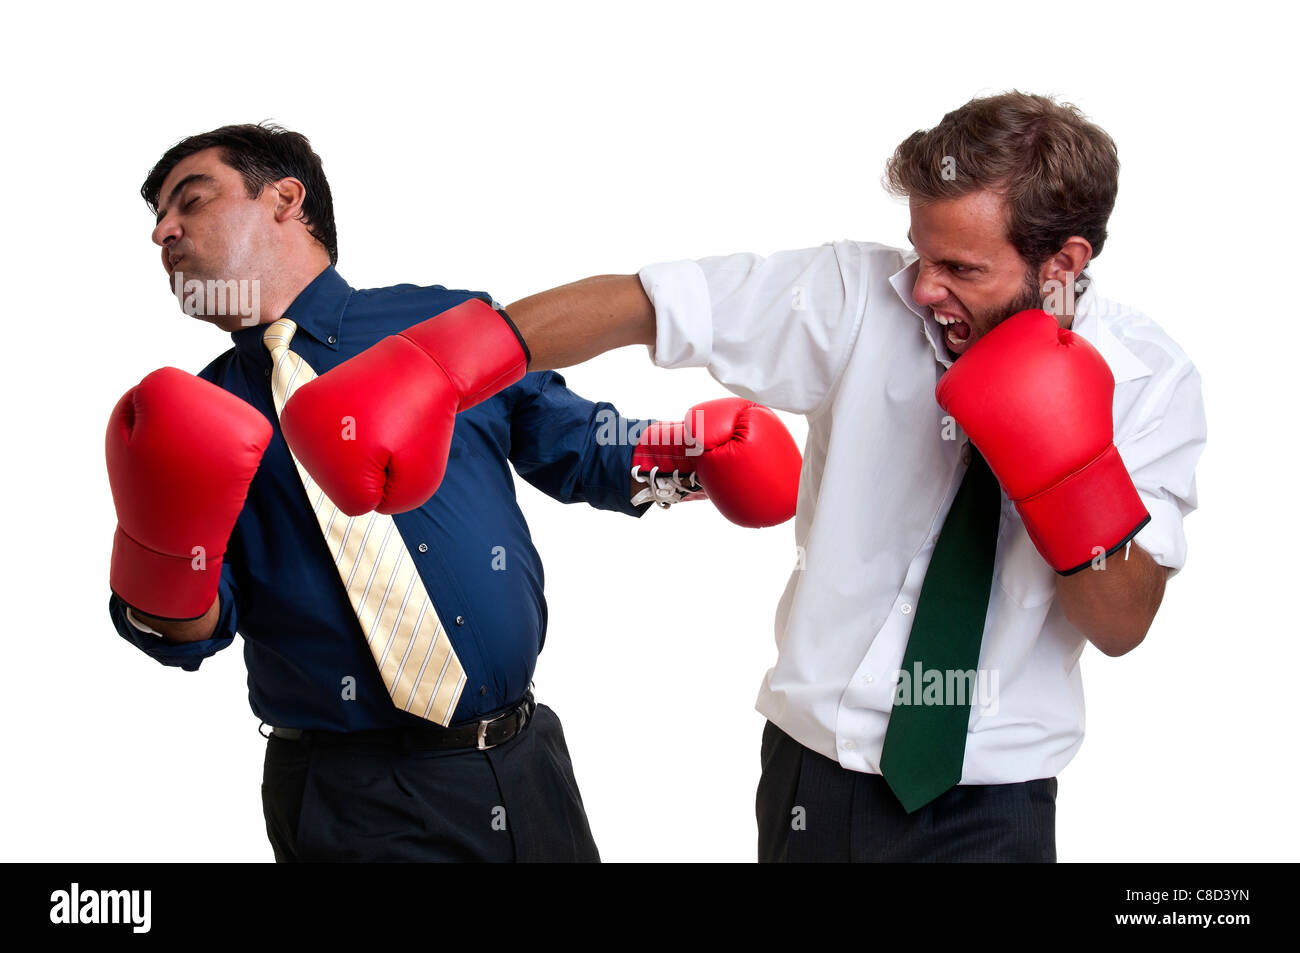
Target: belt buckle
x=521 y=711
x=483 y=727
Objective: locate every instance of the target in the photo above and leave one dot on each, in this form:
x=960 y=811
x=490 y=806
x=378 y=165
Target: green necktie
x=926 y=743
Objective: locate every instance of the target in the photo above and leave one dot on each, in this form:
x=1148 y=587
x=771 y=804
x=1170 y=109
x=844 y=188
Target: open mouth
x=955 y=331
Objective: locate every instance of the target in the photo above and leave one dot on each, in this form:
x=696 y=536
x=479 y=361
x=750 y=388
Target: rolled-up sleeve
x=185 y=655
x=776 y=329
x=1161 y=457
x=573 y=449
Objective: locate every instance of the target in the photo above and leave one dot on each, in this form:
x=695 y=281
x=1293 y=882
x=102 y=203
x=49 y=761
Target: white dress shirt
x=833 y=333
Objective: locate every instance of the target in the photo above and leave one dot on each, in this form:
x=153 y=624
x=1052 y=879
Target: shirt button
x=266 y=373
x=868 y=678
x=423 y=547
x=849 y=745
x=460 y=620
x=965 y=456
x=905 y=608
x=333 y=339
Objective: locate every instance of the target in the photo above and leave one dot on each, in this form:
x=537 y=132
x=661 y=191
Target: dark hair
x=1057 y=172
x=262 y=154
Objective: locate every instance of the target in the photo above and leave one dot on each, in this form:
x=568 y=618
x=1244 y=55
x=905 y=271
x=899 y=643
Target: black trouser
x=812 y=809
x=381 y=801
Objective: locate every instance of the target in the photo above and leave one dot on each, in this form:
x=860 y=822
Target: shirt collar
x=1088 y=323
x=318 y=312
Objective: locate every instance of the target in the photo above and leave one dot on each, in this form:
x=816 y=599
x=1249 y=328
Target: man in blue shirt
x=348 y=774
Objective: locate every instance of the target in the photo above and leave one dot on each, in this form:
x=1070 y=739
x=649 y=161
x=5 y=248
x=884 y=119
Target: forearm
x=191 y=630
x=575 y=322
x=1114 y=607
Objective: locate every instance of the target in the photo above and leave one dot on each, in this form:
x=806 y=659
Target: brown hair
x=1058 y=172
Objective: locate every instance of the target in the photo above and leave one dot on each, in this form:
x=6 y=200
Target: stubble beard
x=1029 y=298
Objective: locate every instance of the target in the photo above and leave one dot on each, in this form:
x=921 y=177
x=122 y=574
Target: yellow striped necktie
x=400 y=625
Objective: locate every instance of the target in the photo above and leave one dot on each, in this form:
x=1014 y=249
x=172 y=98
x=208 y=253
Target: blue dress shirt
x=308 y=663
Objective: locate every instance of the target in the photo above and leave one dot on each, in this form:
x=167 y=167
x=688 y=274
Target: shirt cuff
x=1163 y=538
x=185 y=655
x=135 y=622
x=683 y=314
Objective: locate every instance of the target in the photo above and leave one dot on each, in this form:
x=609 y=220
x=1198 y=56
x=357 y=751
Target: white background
x=512 y=148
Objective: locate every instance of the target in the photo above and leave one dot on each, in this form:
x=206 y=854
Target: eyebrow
x=949 y=261
x=180 y=186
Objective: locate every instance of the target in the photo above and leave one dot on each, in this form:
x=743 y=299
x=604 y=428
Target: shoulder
x=1156 y=383
x=1137 y=337
x=875 y=252
x=404 y=304
x=876 y=260
x=852 y=254
x=217 y=368
x=869 y=268
x=415 y=295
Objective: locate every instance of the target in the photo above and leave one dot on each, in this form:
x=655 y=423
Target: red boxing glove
x=181 y=453
x=375 y=431
x=1037 y=400
x=737 y=450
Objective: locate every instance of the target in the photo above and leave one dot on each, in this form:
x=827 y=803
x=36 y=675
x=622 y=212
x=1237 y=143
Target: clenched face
x=970 y=276
x=209 y=229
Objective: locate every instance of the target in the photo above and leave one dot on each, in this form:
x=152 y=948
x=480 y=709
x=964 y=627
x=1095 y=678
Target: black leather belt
x=483 y=734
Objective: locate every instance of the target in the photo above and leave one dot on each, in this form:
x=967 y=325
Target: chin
x=237 y=323
x=226 y=322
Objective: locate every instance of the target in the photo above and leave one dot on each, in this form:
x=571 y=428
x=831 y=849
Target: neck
x=234 y=304
x=282 y=290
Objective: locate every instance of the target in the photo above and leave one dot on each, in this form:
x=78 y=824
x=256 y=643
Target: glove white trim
x=664 y=490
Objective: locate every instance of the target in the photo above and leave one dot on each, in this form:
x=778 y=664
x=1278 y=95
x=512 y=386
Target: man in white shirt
x=1009 y=200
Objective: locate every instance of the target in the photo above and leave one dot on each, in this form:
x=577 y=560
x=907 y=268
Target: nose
x=166 y=232
x=928 y=290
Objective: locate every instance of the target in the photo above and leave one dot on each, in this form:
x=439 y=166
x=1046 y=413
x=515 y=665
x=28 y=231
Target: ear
x=288 y=195
x=1066 y=265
